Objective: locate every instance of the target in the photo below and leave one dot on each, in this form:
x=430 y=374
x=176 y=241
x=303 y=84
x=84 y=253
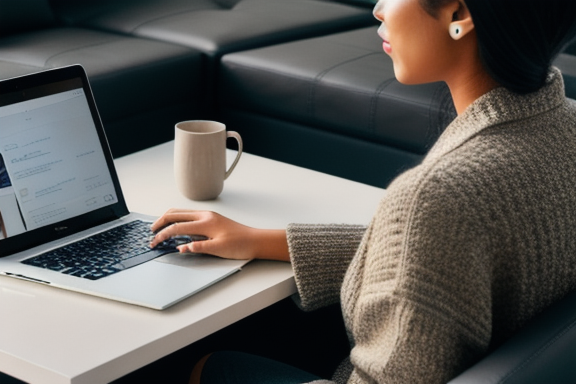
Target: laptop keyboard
x=102 y=254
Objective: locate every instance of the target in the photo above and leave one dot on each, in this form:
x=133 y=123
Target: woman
x=470 y=244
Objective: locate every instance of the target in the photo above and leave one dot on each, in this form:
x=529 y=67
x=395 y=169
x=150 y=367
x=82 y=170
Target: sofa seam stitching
x=78 y=48
x=374 y=104
x=312 y=89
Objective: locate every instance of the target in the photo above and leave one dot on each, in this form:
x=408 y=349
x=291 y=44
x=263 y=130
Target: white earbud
x=456 y=31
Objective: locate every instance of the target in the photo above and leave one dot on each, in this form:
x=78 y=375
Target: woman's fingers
x=209 y=247
x=226 y=238
x=173 y=230
x=174 y=216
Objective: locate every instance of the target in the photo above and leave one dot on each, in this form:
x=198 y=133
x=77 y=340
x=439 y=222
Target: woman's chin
x=406 y=78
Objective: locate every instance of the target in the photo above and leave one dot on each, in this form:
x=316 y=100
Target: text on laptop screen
x=52 y=166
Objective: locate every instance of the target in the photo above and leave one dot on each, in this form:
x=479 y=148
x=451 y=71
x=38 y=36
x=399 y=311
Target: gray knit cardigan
x=463 y=249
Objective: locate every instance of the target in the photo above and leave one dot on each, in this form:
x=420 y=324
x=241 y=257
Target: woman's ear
x=461 y=23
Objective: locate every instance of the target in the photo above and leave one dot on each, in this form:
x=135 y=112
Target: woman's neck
x=468 y=86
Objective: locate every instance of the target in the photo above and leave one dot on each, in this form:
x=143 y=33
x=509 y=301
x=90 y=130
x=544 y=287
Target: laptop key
x=103 y=254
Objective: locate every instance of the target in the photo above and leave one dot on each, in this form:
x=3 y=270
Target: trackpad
x=200 y=261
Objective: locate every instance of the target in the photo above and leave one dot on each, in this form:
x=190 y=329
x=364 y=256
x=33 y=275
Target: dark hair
x=519 y=39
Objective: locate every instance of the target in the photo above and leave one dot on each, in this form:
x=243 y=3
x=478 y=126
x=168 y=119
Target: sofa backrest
x=128 y=14
x=227 y=3
x=24 y=15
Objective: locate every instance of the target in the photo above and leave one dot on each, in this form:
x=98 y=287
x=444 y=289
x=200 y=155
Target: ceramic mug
x=200 y=158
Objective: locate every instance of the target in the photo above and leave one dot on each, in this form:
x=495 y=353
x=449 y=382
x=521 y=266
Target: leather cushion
x=128 y=75
x=215 y=27
x=9 y=69
x=342 y=83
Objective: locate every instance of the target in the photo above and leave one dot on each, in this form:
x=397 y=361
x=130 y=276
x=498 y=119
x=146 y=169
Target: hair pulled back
x=519 y=39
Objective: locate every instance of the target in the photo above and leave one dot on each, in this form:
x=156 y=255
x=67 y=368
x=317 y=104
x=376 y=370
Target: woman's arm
x=320 y=254
x=226 y=238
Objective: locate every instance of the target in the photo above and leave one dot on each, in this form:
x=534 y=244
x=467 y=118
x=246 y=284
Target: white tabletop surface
x=49 y=335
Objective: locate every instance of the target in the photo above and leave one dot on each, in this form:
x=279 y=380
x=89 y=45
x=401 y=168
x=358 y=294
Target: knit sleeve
x=320 y=256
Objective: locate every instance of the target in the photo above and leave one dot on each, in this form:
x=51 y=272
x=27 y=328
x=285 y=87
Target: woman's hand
x=226 y=238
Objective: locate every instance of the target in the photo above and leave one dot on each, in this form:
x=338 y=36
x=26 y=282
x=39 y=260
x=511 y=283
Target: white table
x=49 y=335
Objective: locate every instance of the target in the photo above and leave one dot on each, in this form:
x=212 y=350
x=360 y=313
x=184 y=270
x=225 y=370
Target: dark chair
x=542 y=352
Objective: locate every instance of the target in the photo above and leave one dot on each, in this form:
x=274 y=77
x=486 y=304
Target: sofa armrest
x=542 y=352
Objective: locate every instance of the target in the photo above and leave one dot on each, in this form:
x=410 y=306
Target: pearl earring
x=455 y=31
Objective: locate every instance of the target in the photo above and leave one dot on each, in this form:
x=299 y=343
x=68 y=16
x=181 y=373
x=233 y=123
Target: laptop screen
x=55 y=165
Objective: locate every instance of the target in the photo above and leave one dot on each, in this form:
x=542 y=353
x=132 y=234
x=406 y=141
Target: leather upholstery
x=8 y=69
x=542 y=352
x=334 y=88
x=142 y=88
x=214 y=27
x=146 y=59
x=343 y=83
x=340 y=84
x=333 y=153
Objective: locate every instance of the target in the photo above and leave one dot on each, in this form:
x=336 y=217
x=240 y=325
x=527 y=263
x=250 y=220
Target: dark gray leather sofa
x=138 y=83
x=153 y=63
x=303 y=81
x=333 y=101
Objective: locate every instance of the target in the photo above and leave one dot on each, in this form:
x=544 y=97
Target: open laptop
x=58 y=187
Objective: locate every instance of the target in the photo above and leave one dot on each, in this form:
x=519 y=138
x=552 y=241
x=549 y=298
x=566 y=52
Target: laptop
x=63 y=219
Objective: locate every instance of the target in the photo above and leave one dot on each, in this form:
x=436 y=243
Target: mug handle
x=239 y=140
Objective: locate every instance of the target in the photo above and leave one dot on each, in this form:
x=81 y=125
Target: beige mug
x=200 y=158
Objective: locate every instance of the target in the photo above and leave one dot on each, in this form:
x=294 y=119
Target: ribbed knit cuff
x=320 y=256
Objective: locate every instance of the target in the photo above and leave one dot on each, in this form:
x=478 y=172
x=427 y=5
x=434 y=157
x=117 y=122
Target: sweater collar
x=496 y=107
